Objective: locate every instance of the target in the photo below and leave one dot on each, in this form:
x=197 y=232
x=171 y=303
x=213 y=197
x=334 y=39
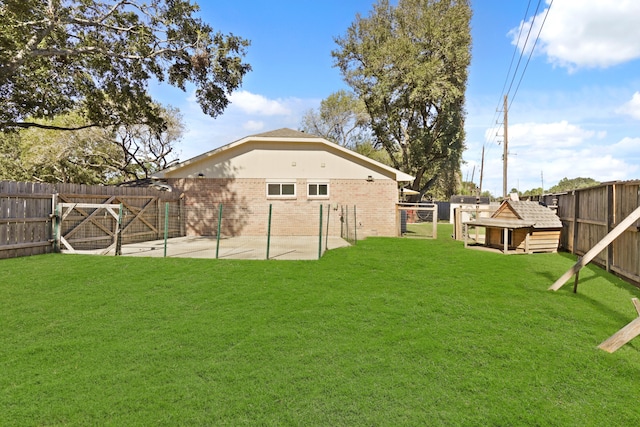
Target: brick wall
x=246 y=208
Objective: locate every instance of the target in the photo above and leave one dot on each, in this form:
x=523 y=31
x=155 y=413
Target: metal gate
x=418 y=220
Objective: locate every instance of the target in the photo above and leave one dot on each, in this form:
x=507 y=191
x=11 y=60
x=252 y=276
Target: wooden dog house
x=521 y=227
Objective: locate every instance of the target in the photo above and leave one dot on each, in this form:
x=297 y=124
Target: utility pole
x=506 y=150
x=481 y=172
x=473 y=173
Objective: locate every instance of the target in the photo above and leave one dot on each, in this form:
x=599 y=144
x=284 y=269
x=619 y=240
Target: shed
x=521 y=227
x=461 y=201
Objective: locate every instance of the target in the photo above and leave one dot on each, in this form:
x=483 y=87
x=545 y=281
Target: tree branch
x=26 y=125
x=32 y=43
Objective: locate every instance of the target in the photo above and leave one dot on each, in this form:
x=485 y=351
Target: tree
x=144 y=150
x=49 y=155
x=532 y=192
x=409 y=66
x=567 y=184
x=342 y=118
x=89 y=155
x=97 y=57
x=367 y=148
x=10 y=168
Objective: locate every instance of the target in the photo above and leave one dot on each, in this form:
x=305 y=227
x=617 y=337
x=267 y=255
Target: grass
x=420 y=230
x=389 y=332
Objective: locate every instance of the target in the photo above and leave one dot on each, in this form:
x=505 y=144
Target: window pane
x=313 y=189
x=273 y=189
x=323 y=189
x=288 y=189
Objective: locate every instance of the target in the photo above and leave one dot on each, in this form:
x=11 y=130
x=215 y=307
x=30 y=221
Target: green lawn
x=388 y=332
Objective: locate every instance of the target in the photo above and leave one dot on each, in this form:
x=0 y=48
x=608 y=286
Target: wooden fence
x=590 y=214
x=28 y=216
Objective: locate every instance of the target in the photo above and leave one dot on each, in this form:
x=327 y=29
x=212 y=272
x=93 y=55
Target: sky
x=570 y=70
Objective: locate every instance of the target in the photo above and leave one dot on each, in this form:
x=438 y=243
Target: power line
x=494 y=119
x=522 y=52
x=530 y=53
x=494 y=134
x=524 y=47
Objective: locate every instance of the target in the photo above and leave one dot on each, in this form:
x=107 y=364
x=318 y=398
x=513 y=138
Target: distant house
x=293 y=172
x=458 y=201
x=521 y=227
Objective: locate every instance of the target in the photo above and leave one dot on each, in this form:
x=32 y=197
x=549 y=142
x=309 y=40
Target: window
x=318 y=190
x=281 y=189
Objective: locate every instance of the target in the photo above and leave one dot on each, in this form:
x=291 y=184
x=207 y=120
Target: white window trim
x=281 y=182
x=320 y=196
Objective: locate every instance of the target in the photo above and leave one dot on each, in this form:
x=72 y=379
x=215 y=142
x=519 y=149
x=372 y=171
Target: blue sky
x=576 y=111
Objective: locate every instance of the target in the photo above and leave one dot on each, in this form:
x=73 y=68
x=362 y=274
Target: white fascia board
x=399 y=175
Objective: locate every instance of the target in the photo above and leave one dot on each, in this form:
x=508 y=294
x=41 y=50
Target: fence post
x=218 y=231
x=56 y=229
x=320 y=235
x=326 y=237
x=118 y=232
x=576 y=216
x=166 y=227
x=158 y=207
x=355 y=226
x=346 y=222
x=434 y=218
x=269 y=230
x=610 y=224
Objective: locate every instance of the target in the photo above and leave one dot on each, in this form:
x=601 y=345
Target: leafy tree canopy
x=341 y=118
x=97 y=57
x=88 y=156
x=409 y=66
x=567 y=184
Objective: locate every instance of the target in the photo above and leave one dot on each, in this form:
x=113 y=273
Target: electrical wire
x=492 y=137
x=488 y=143
x=530 y=54
x=515 y=50
x=524 y=47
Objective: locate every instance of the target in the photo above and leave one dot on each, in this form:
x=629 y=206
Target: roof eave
x=399 y=175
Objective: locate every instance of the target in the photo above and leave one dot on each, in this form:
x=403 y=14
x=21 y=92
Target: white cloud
x=253 y=125
x=545 y=136
x=551 y=151
x=628 y=147
x=251 y=103
x=585 y=33
x=631 y=108
x=247 y=114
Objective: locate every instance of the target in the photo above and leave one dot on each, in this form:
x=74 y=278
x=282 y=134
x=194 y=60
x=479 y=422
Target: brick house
x=293 y=173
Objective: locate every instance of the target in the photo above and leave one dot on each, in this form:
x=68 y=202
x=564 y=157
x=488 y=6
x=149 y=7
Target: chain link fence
x=230 y=231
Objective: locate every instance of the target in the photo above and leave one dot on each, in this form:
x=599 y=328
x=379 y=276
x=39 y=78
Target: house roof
x=500 y=223
x=283 y=133
x=471 y=200
x=286 y=135
x=540 y=216
x=527 y=214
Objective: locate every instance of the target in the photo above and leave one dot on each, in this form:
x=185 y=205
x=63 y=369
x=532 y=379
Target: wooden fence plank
x=624 y=335
x=610 y=237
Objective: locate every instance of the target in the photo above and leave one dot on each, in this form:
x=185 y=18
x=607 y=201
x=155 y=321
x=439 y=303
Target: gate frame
x=432 y=207
x=61 y=215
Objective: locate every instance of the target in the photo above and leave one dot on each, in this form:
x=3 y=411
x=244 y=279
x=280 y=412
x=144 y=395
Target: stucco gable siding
x=272 y=160
x=221 y=162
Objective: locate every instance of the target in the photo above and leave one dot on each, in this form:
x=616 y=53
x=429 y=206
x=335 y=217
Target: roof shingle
x=541 y=216
x=284 y=133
